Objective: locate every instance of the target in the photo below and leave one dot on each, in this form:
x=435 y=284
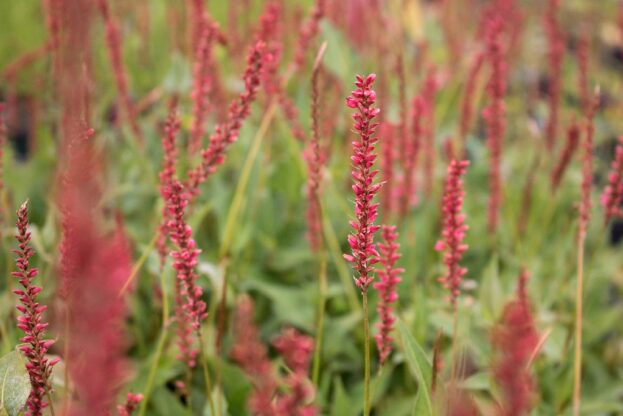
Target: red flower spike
x=573 y=139
x=389 y=277
x=364 y=255
x=31 y=320
x=454 y=229
x=612 y=195
x=514 y=342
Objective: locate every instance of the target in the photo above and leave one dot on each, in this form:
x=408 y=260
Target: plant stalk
x=577 y=362
x=366 y=359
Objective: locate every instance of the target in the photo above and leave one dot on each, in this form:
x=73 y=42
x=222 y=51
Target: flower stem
x=577 y=362
x=159 y=348
x=206 y=373
x=322 y=295
x=366 y=359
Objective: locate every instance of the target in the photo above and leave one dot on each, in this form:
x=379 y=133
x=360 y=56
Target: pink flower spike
x=38 y=367
x=389 y=277
x=363 y=252
x=612 y=195
x=454 y=228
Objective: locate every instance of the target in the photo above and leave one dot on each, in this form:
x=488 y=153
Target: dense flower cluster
x=308 y=32
x=555 y=56
x=131 y=404
x=113 y=39
x=227 y=132
x=585 y=205
x=364 y=254
x=454 y=228
x=31 y=320
x=494 y=115
x=467 y=103
x=515 y=340
x=612 y=196
x=389 y=277
x=573 y=139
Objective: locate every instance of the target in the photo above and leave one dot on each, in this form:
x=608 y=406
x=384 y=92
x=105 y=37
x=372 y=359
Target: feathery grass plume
x=555 y=55
x=418 y=112
x=514 y=340
x=364 y=255
x=252 y=356
x=429 y=91
x=31 y=321
x=115 y=54
x=315 y=159
x=227 y=132
x=389 y=277
x=308 y=31
x=202 y=84
x=454 y=229
x=573 y=139
x=494 y=115
x=584 y=211
x=296 y=350
x=131 y=404
x=612 y=195
x=467 y=102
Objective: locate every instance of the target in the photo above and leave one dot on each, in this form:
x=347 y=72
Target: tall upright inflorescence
x=454 y=229
x=227 y=132
x=429 y=92
x=585 y=205
x=495 y=114
x=391 y=180
x=467 y=103
x=31 y=322
x=113 y=42
x=364 y=255
x=315 y=157
x=389 y=277
x=411 y=154
x=202 y=83
x=612 y=195
x=515 y=340
x=308 y=32
x=192 y=310
x=554 y=57
x=573 y=139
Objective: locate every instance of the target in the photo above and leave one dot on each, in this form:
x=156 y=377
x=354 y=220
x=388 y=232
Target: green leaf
x=14 y=384
x=420 y=366
x=342 y=404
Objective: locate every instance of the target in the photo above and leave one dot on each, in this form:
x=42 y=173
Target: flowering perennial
x=454 y=228
x=573 y=139
x=31 y=320
x=131 y=404
x=494 y=115
x=612 y=196
x=226 y=133
x=514 y=341
x=389 y=277
x=364 y=255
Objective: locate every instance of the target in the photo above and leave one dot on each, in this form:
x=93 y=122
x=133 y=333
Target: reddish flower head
x=361 y=241
x=31 y=321
x=454 y=229
x=612 y=196
x=389 y=277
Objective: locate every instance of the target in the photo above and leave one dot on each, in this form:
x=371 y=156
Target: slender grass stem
x=455 y=331
x=366 y=359
x=139 y=264
x=577 y=361
x=206 y=373
x=322 y=295
x=159 y=349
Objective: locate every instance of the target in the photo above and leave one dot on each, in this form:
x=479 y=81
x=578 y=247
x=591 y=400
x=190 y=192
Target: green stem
x=366 y=359
x=322 y=295
x=206 y=373
x=577 y=361
x=159 y=348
